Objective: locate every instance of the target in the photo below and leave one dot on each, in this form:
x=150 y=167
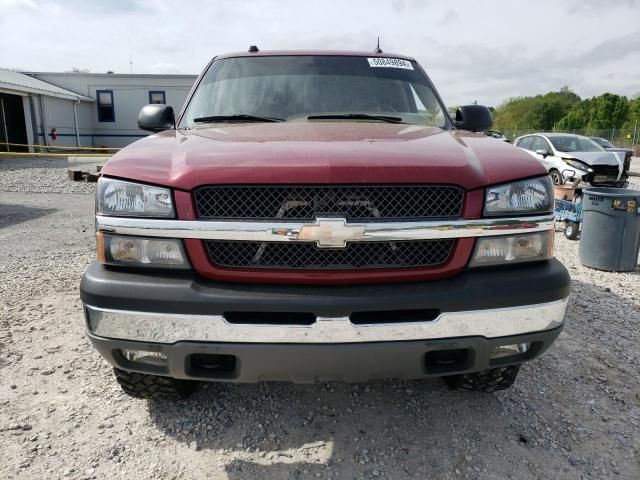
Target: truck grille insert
x=306 y=202
x=306 y=256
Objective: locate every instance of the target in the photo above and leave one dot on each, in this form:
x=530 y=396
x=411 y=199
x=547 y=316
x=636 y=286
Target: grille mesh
x=611 y=170
x=353 y=202
x=357 y=255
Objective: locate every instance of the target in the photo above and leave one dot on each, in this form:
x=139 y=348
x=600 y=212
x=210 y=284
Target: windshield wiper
x=355 y=116
x=239 y=117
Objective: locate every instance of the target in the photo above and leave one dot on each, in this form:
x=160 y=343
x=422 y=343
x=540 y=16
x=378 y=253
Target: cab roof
x=333 y=53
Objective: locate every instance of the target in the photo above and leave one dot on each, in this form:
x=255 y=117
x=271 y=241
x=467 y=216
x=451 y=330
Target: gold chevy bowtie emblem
x=330 y=233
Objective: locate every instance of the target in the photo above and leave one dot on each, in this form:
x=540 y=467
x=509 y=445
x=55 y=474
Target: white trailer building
x=81 y=109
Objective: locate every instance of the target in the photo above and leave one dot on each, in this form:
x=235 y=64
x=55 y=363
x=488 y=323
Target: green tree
x=597 y=113
x=541 y=112
x=633 y=114
x=565 y=111
x=577 y=117
x=608 y=111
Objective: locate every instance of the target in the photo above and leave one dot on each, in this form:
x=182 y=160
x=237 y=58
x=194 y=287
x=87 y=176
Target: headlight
x=578 y=165
x=527 y=196
x=128 y=199
x=141 y=252
x=512 y=249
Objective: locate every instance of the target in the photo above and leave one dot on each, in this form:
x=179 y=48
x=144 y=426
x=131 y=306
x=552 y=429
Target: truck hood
x=320 y=152
x=593 y=158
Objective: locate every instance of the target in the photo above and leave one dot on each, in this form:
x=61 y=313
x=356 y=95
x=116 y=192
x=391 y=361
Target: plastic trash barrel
x=610 y=236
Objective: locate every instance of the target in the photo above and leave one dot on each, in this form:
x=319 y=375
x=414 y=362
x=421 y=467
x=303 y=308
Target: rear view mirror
x=156 y=118
x=475 y=118
x=544 y=153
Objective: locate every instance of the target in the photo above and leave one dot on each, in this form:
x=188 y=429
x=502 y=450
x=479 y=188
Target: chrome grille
x=306 y=202
x=356 y=255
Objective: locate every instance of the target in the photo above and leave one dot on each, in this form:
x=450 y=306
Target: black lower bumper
x=467 y=306
x=355 y=362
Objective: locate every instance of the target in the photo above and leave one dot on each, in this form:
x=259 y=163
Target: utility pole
x=131 y=63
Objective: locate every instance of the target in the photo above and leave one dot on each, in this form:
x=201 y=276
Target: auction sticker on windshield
x=390 y=63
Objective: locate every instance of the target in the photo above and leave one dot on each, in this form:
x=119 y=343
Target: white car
x=574 y=158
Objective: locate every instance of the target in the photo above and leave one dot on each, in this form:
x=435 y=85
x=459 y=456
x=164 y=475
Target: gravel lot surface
x=573 y=413
x=635 y=166
x=42 y=175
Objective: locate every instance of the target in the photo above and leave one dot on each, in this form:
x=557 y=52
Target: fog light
x=509 y=350
x=144 y=356
x=513 y=249
x=144 y=252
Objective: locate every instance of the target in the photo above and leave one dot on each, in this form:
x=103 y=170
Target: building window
x=105 y=106
x=157 y=97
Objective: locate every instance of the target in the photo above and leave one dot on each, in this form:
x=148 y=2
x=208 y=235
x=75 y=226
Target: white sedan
x=574 y=158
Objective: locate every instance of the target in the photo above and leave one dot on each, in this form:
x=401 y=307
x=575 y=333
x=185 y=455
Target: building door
x=13 y=128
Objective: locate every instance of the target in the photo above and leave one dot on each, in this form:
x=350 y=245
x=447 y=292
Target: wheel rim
x=555 y=176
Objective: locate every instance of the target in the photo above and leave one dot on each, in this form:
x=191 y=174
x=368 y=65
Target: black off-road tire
x=485 y=381
x=143 y=385
x=571 y=230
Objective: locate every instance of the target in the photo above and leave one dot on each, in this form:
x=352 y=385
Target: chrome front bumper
x=289 y=231
x=172 y=328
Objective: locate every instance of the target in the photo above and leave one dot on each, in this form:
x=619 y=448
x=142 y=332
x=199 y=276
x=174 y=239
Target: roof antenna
x=253 y=49
x=378 y=50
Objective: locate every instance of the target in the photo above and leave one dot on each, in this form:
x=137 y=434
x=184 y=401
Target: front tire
x=485 y=381
x=556 y=177
x=143 y=385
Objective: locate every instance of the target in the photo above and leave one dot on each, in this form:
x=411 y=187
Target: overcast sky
x=484 y=50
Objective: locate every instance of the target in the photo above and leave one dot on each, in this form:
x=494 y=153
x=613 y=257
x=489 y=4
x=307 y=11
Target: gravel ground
x=36 y=175
x=573 y=413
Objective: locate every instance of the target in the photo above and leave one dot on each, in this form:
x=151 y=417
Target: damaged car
x=571 y=158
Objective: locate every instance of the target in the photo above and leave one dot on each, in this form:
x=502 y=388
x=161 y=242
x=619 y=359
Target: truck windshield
x=325 y=88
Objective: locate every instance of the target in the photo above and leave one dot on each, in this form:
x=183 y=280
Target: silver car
x=574 y=158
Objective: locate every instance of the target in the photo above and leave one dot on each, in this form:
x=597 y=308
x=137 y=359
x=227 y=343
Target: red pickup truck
x=315 y=216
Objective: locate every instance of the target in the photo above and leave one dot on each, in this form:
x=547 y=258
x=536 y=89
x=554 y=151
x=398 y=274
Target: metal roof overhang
x=23 y=90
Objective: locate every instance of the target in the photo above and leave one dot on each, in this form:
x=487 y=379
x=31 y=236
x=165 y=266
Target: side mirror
x=156 y=118
x=544 y=153
x=474 y=118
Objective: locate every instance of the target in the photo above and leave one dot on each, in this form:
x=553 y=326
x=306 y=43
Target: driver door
x=539 y=145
